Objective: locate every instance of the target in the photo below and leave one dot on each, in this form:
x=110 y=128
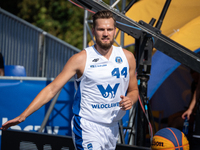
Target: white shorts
x=89 y=135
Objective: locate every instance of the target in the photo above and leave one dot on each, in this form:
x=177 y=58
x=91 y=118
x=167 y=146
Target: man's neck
x=104 y=52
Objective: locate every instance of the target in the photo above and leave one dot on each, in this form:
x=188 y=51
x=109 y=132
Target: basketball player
x=106 y=87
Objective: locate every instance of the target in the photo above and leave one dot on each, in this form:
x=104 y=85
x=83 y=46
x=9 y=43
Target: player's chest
x=106 y=70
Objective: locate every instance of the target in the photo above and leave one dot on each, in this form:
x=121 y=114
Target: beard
x=105 y=46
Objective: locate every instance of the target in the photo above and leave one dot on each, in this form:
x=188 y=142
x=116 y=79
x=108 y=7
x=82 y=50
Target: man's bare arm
x=75 y=64
x=132 y=92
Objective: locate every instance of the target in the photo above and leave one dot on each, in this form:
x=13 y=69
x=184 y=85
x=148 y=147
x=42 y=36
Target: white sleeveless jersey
x=101 y=85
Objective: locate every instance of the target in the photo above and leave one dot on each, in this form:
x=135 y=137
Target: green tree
x=57 y=17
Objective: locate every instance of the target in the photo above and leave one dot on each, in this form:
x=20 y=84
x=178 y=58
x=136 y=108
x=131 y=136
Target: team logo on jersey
x=95 y=60
x=118 y=59
x=109 y=91
x=89 y=146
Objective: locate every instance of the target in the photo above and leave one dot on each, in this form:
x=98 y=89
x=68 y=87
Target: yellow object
x=179 y=13
x=188 y=35
x=181 y=22
x=169 y=139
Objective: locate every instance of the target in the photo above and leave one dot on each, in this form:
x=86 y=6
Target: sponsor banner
x=17 y=94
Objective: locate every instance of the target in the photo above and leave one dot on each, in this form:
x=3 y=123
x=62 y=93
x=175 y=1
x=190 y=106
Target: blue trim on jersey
x=168 y=134
x=78 y=132
x=77 y=100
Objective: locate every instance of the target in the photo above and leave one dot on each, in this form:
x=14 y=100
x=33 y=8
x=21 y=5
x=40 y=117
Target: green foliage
x=57 y=17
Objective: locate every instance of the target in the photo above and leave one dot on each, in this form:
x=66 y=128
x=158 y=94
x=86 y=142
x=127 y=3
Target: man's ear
x=115 y=31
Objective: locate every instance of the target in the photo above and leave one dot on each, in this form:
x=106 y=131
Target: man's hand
x=12 y=122
x=126 y=103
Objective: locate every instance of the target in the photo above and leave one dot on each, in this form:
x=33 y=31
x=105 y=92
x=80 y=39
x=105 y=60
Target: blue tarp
x=16 y=95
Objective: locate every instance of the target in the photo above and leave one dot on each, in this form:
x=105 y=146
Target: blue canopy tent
x=169 y=86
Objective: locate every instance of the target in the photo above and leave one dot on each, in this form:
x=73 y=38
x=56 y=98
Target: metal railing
x=22 y=43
